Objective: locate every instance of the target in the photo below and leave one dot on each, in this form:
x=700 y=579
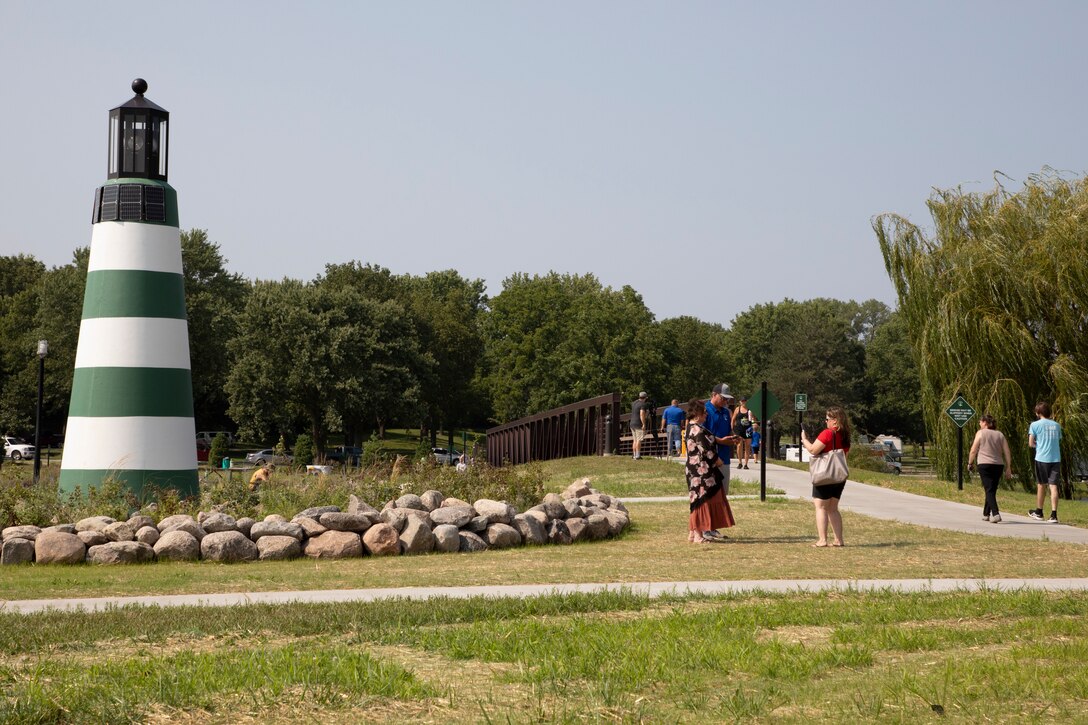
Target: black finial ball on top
x=139 y=86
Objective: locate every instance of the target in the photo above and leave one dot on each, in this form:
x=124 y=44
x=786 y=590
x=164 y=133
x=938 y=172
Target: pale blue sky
x=673 y=146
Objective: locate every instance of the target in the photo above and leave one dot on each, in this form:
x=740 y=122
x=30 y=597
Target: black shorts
x=828 y=491
x=1048 y=473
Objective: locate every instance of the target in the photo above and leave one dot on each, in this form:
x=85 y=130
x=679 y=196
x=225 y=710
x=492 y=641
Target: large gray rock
x=139 y=521
x=600 y=500
x=470 y=543
x=177 y=545
x=275 y=519
x=558 y=533
x=574 y=511
x=310 y=527
x=171 y=521
x=454 y=515
x=120 y=552
x=188 y=524
x=120 y=531
x=617 y=505
x=275 y=548
x=451 y=501
x=531 y=529
x=416 y=537
x=478 y=525
x=215 y=522
x=381 y=540
x=244 y=525
x=343 y=521
x=275 y=528
x=497 y=512
x=228 y=546
x=431 y=499
x=553 y=506
x=617 y=521
x=355 y=506
x=538 y=515
x=56 y=547
x=502 y=536
x=314 y=512
x=446 y=538
x=596 y=526
x=20 y=532
x=577 y=489
x=334 y=545
x=395 y=518
x=148 y=535
x=17 y=551
x=93 y=523
x=93 y=538
x=411 y=501
x=576 y=525
x=63 y=528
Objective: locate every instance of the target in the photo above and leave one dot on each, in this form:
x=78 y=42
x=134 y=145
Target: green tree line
x=359 y=348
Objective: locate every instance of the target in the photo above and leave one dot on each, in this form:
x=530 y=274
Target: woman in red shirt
x=826 y=497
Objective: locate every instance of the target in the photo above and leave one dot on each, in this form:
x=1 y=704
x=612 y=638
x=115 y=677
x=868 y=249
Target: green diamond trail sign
x=960 y=411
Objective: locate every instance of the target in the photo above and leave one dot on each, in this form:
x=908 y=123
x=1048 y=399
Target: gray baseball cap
x=722 y=389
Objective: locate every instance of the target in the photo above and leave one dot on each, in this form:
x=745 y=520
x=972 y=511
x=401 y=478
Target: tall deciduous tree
x=695 y=357
x=556 y=339
x=996 y=304
x=213 y=299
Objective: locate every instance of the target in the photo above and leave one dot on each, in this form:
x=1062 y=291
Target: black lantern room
x=138 y=138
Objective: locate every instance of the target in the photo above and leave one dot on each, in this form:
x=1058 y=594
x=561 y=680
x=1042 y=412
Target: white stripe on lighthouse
x=142 y=443
x=133 y=245
x=133 y=342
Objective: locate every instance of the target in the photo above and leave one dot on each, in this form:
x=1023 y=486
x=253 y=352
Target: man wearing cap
x=719 y=422
x=640 y=418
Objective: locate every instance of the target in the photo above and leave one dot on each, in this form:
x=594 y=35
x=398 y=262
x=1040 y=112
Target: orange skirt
x=714 y=513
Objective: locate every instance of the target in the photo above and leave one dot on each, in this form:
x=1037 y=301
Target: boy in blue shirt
x=1045 y=436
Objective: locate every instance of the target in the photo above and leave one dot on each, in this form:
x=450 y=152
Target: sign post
x=800 y=404
x=960 y=411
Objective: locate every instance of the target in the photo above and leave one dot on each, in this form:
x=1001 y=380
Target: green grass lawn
x=609 y=657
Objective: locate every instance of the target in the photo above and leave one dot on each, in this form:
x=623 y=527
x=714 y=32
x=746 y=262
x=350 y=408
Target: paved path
x=884 y=503
x=650 y=589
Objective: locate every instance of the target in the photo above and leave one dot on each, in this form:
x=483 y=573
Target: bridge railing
x=586 y=428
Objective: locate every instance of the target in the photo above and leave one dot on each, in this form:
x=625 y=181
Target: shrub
x=218 y=450
x=304 y=450
x=373 y=452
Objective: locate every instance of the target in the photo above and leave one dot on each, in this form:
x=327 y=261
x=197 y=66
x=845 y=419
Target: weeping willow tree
x=996 y=303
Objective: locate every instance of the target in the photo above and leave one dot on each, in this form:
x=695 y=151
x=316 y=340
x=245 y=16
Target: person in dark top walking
x=640 y=418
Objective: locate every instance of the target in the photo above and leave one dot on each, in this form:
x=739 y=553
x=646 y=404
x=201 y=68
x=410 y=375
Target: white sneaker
x=986 y=517
x=995 y=519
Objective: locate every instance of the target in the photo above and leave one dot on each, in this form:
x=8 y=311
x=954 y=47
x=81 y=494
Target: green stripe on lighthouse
x=120 y=392
x=136 y=481
x=134 y=293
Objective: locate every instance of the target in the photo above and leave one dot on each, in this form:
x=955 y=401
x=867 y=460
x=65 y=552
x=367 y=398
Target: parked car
x=446 y=457
x=344 y=454
x=17 y=449
x=263 y=458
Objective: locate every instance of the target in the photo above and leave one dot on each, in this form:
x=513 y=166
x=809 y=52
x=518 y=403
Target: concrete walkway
x=909 y=508
x=650 y=589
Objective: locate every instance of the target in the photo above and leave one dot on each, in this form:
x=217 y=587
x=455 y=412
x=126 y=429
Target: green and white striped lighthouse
x=131 y=413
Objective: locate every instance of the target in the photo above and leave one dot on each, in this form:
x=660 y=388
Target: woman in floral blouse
x=709 y=507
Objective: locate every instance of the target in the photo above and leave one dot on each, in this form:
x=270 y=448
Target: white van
x=207 y=436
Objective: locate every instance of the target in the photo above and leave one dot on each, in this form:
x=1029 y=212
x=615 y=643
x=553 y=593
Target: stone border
x=411 y=524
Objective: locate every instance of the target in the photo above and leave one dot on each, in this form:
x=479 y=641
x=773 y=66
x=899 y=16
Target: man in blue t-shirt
x=1045 y=436
x=672 y=422
x=718 y=421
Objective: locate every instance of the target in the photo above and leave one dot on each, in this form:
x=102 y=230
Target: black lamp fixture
x=138 y=138
x=43 y=350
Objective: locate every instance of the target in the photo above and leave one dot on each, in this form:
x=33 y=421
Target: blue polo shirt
x=718 y=423
x=673 y=415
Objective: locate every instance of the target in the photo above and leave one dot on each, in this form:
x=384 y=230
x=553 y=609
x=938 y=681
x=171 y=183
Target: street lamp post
x=43 y=350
